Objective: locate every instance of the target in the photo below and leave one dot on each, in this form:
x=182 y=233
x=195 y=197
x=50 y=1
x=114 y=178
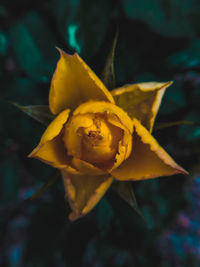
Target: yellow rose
x=99 y=136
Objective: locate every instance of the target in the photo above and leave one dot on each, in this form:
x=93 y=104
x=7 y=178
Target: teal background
x=158 y=40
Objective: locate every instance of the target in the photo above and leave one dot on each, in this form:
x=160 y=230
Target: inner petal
x=100 y=141
x=72 y=137
x=90 y=137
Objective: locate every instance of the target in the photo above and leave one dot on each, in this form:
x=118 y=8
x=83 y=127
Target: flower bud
x=97 y=138
x=90 y=137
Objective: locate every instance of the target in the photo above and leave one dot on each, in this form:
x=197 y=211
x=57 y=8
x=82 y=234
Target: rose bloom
x=98 y=136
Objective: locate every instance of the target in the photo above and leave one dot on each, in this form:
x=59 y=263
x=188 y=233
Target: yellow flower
x=98 y=136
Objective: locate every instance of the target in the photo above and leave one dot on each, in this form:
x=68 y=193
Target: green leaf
x=164 y=16
x=27 y=53
x=125 y=191
x=3 y=43
x=51 y=181
x=162 y=125
x=11 y=179
x=92 y=33
x=187 y=58
x=40 y=113
x=108 y=75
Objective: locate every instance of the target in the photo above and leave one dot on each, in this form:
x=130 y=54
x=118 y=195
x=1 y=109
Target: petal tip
x=167 y=84
x=180 y=170
x=75 y=215
x=62 y=52
x=32 y=154
x=177 y=169
x=59 y=49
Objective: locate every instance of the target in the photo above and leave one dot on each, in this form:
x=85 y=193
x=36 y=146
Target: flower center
x=91 y=138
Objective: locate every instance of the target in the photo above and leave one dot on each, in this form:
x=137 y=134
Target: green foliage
x=188 y=58
x=27 y=53
x=12 y=180
x=3 y=44
x=165 y=16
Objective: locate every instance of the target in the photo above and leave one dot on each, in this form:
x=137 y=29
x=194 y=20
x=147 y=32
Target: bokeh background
x=158 y=40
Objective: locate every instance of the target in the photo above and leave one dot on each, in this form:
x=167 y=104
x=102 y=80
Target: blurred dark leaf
x=3 y=44
x=11 y=179
x=38 y=112
x=163 y=125
x=43 y=39
x=66 y=12
x=22 y=90
x=29 y=52
x=165 y=16
x=108 y=75
x=187 y=58
x=51 y=181
x=83 y=33
x=92 y=28
x=125 y=191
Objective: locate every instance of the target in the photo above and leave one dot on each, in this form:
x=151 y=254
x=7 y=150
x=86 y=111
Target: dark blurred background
x=158 y=40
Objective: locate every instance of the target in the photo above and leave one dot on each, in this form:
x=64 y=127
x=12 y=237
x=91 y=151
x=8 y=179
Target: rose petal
x=124 y=150
x=51 y=148
x=74 y=82
x=125 y=145
x=147 y=160
x=141 y=101
x=86 y=167
x=107 y=108
x=84 y=192
x=71 y=139
x=55 y=127
x=52 y=153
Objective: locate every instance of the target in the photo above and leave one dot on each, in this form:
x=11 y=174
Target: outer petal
x=51 y=149
x=147 y=160
x=141 y=101
x=73 y=83
x=84 y=192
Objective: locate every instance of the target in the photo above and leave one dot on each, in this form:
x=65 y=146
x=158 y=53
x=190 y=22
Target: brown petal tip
x=181 y=171
x=63 y=52
x=75 y=216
